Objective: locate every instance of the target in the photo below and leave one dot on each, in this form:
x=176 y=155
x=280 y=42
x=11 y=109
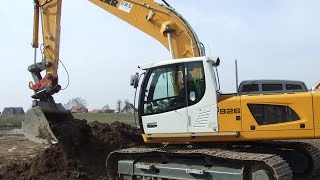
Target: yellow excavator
x=202 y=133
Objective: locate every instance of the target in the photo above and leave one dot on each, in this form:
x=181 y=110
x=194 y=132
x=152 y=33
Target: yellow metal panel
x=229 y=108
x=51 y=15
x=301 y=103
x=183 y=40
x=145 y=15
x=316 y=112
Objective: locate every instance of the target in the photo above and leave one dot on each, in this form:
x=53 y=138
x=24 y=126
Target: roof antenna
x=165 y=2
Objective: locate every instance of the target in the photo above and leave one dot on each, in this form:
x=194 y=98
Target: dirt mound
x=80 y=154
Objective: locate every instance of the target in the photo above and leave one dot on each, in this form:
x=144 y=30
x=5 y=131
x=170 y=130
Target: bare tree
x=126 y=102
x=106 y=107
x=78 y=101
x=119 y=105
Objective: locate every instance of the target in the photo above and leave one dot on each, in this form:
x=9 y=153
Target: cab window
x=195 y=82
x=164 y=90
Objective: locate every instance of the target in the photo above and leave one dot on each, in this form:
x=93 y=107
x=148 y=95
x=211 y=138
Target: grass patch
x=127 y=118
x=11 y=120
x=15 y=120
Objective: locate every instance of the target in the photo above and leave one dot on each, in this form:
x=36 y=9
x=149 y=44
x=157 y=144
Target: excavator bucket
x=40 y=121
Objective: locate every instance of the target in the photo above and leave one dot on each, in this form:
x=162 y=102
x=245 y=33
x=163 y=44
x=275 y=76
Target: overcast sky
x=274 y=39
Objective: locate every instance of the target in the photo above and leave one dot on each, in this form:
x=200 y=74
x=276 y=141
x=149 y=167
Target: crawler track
x=301 y=149
x=273 y=163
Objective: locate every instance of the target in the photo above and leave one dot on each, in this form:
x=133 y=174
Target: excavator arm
x=49 y=11
x=161 y=22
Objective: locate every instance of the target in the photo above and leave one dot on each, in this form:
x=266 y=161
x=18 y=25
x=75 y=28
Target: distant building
x=94 y=111
x=102 y=111
x=13 y=111
x=79 y=109
x=109 y=111
x=128 y=108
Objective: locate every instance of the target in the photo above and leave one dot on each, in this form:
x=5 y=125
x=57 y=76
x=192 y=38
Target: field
x=7 y=121
x=82 y=158
x=127 y=118
x=16 y=148
x=11 y=120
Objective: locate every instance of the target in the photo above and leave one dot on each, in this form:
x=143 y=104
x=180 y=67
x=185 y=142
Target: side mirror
x=134 y=80
x=215 y=61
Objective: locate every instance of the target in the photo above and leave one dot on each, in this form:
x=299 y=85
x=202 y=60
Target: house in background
x=12 y=111
x=129 y=108
x=102 y=111
x=94 y=111
x=109 y=111
x=79 y=109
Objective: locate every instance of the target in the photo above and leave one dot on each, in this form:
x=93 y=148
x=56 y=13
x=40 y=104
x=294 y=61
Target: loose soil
x=80 y=154
x=17 y=148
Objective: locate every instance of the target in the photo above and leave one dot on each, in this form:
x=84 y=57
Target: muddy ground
x=16 y=149
x=80 y=154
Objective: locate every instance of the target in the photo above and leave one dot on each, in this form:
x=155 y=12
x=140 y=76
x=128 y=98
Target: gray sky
x=274 y=39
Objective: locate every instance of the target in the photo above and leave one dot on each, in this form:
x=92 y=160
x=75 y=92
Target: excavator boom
x=38 y=120
x=50 y=14
x=161 y=22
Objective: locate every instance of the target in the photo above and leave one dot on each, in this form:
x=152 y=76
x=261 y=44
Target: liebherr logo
x=111 y=2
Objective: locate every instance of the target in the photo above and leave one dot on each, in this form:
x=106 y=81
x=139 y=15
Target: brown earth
x=17 y=148
x=80 y=154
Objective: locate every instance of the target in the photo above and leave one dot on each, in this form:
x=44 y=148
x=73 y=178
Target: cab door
x=163 y=100
x=201 y=98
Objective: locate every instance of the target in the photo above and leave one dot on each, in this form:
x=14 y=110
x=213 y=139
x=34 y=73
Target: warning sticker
x=125 y=6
